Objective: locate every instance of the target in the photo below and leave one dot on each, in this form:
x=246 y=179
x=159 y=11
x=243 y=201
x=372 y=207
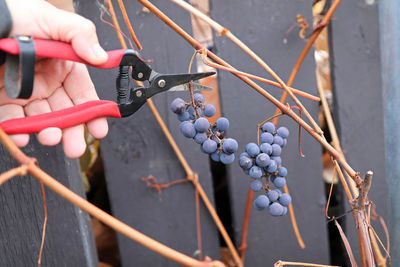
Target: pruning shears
x=23 y=50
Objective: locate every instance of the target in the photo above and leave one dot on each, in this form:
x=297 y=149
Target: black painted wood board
x=69 y=238
x=358 y=93
x=261 y=25
x=136 y=146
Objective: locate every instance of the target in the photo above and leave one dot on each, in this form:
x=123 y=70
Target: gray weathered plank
x=69 y=238
x=389 y=29
x=357 y=79
x=136 y=147
x=261 y=25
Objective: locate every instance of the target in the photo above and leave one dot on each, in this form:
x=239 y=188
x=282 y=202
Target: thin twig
x=128 y=23
x=347 y=245
x=258 y=78
x=18 y=171
x=44 y=224
x=283 y=263
x=308 y=46
x=294 y=222
x=330 y=193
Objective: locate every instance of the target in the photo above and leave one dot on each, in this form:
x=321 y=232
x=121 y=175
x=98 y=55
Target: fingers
x=12 y=111
x=73 y=138
x=77 y=30
x=42 y=20
x=80 y=89
x=50 y=136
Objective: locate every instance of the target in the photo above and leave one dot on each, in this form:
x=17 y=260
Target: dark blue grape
x=266 y=138
x=273 y=195
x=215 y=156
x=215 y=139
x=255 y=172
x=209 y=110
x=246 y=171
x=263 y=160
x=282 y=171
x=284 y=211
x=285 y=199
x=261 y=201
x=245 y=163
x=184 y=116
x=282 y=132
x=244 y=154
x=277 y=159
x=272 y=167
x=252 y=149
x=276 y=150
x=199 y=138
x=227 y=158
x=198 y=98
x=201 y=125
x=279 y=182
x=276 y=209
x=278 y=140
x=187 y=129
x=254 y=206
x=222 y=124
x=266 y=148
x=178 y=105
x=268 y=127
x=209 y=146
x=192 y=113
x=230 y=146
x=256 y=185
x=272 y=178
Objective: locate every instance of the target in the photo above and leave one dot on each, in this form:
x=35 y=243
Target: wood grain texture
x=136 y=147
x=69 y=239
x=261 y=25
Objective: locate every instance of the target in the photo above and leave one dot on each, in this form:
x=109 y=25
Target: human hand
x=58 y=84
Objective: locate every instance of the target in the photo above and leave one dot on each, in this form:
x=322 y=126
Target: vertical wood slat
x=389 y=28
x=357 y=90
x=69 y=238
x=262 y=25
x=136 y=147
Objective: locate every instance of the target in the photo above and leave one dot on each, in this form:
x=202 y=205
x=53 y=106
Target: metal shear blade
x=186 y=87
x=164 y=82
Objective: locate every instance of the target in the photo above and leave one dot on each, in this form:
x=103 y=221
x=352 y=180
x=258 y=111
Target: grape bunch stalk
x=263 y=163
x=211 y=137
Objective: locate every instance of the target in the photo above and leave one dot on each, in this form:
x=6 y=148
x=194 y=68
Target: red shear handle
x=60 y=50
x=62 y=118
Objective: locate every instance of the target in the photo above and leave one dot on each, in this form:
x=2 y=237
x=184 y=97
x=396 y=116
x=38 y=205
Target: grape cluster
x=210 y=136
x=265 y=161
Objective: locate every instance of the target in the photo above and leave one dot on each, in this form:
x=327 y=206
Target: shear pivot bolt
x=139 y=93
x=140 y=75
x=161 y=83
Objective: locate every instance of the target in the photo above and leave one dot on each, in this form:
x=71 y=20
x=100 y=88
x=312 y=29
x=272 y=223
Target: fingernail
x=99 y=52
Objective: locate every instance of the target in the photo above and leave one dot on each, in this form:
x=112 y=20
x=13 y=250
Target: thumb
x=40 y=19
